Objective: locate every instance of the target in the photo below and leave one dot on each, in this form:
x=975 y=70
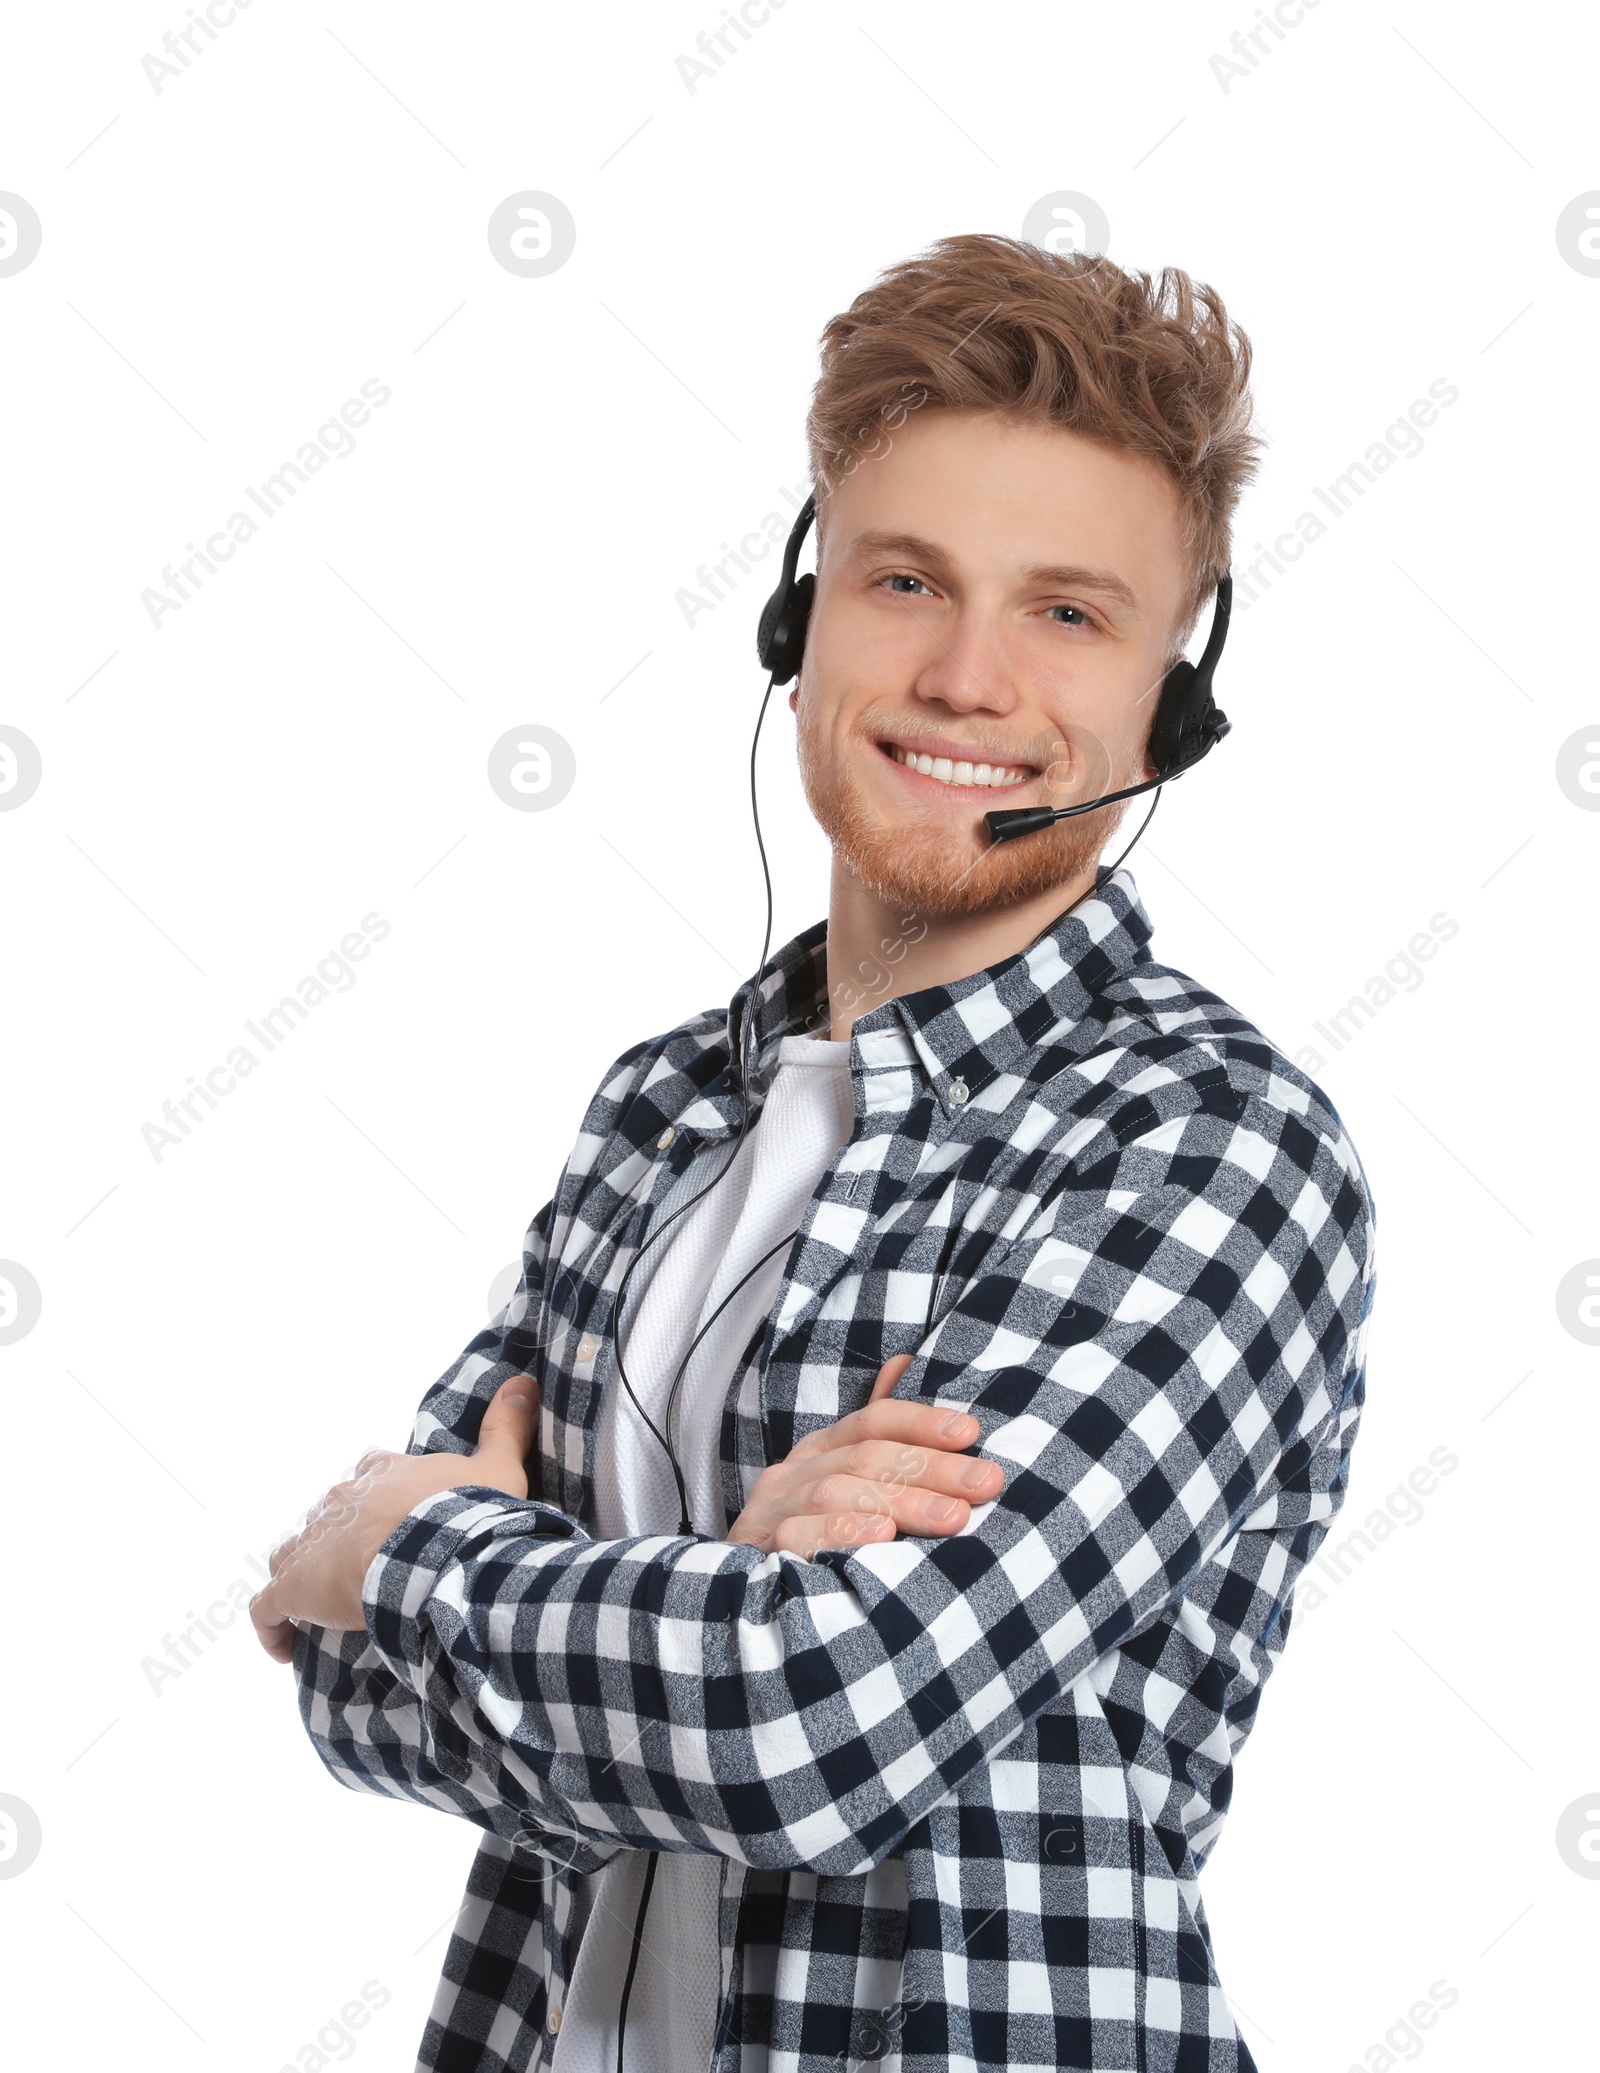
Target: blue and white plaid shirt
x=961 y=1788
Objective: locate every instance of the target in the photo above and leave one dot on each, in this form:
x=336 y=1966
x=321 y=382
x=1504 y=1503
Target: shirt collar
x=965 y=1033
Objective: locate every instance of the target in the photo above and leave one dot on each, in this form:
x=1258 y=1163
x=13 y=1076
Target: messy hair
x=1148 y=364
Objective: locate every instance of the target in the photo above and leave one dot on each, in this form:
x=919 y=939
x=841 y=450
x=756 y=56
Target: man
x=909 y=1537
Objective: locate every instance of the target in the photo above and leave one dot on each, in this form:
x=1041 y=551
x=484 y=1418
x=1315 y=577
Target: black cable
x=633 y=1961
x=744 y=1126
x=684 y=1523
x=1117 y=866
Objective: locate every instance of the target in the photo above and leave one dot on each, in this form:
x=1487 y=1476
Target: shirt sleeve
x=1169 y=1350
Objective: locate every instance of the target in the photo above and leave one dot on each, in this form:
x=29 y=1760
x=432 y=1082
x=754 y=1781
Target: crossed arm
x=678 y=1692
x=892 y=1467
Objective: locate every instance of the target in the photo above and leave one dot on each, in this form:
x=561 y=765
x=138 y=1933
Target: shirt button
x=552 y=2021
x=665 y=1138
x=586 y=1348
x=958 y=1091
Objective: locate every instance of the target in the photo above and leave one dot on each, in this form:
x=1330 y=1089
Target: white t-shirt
x=808 y=1116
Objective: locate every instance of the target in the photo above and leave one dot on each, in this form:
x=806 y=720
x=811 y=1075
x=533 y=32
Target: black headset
x=1187 y=726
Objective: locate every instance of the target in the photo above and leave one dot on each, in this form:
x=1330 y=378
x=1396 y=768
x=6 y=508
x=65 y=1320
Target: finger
x=888 y=1375
x=943 y=1426
x=894 y=1468
x=509 y=1427
x=806 y=1535
x=926 y=1494
x=807 y=1481
x=274 y=1628
x=912 y=1508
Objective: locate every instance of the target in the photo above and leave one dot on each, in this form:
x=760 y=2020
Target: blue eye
x=901 y=577
x=1081 y=620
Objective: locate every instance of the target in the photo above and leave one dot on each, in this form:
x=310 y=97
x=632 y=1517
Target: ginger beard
x=927 y=862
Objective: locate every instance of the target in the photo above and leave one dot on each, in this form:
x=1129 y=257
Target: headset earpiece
x=1187 y=726
x=1187 y=721
x=781 y=634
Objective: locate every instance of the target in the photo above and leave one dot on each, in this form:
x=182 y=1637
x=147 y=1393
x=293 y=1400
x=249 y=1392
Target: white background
x=304 y=742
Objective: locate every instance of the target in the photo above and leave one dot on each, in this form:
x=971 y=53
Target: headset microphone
x=1187 y=726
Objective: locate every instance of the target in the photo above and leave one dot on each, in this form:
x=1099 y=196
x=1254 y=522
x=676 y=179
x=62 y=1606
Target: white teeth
x=945 y=771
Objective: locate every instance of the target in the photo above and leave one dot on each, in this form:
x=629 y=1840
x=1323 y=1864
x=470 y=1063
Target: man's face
x=989 y=594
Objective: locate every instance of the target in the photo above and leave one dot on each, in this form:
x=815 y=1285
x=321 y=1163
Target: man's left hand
x=317 y=1574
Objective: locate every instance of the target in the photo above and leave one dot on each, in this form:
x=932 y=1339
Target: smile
x=950 y=770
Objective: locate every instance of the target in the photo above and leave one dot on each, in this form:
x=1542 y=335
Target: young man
x=1009 y=1371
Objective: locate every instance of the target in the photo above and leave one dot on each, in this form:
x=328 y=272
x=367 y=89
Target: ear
x=794 y=697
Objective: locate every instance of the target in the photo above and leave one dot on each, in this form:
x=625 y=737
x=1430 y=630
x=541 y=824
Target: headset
x=1186 y=728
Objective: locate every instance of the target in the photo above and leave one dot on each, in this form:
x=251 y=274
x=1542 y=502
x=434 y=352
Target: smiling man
x=840 y=1581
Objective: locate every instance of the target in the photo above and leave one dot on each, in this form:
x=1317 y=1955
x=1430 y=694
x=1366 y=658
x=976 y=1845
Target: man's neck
x=878 y=950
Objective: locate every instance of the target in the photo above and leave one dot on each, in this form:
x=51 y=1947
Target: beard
x=919 y=863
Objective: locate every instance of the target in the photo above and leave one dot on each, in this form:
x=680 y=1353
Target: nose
x=967 y=666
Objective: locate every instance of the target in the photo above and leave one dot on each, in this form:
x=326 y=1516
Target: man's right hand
x=886 y=1469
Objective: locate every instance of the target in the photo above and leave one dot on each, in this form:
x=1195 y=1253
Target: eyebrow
x=1061 y=575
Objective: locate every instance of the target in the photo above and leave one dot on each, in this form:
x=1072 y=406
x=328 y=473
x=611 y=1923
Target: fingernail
x=955 y=1423
x=976 y=1475
x=943 y=1509
x=522 y=1397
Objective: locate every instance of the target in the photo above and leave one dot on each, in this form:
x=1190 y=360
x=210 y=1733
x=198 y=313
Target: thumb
x=506 y=1437
x=888 y=1375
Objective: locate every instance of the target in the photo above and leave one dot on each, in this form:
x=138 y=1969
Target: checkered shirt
x=961 y=1788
